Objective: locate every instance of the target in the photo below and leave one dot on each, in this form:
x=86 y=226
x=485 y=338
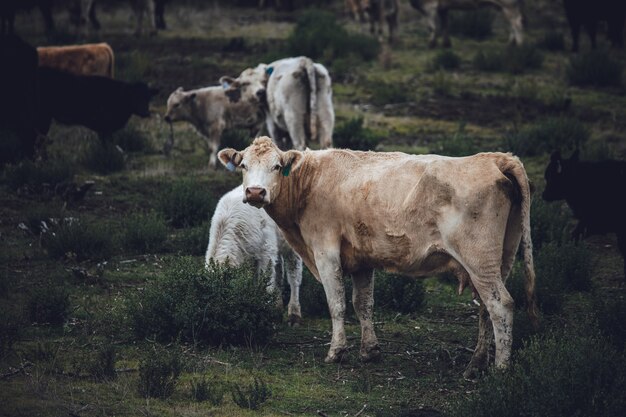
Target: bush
x=398 y=293
x=144 y=233
x=252 y=396
x=236 y=139
x=563 y=374
x=101 y=362
x=458 y=144
x=319 y=36
x=549 y=222
x=220 y=305
x=194 y=241
x=131 y=139
x=514 y=60
x=185 y=204
x=203 y=390
x=384 y=93
x=133 y=66
x=49 y=304
x=595 y=68
x=474 y=24
x=38 y=177
x=552 y=41
x=446 y=60
x=563 y=133
x=104 y=158
x=74 y=240
x=353 y=135
x=158 y=372
x=610 y=311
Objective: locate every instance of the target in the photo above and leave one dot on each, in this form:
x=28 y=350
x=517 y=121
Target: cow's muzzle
x=255 y=196
x=262 y=96
x=167 y=118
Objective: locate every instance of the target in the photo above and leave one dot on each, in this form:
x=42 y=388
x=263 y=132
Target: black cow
x=99 y=103
x=18 y=94
x=595 y=191
x=588 y=13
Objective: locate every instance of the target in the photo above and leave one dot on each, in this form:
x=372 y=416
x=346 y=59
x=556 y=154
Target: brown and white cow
x=211 y=112
x=512 y=10
x=89 y=59
x=350 y=212
x=296 y=96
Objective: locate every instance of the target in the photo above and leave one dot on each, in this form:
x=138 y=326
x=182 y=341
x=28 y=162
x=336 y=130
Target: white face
x=177 y=106
x=251 y=84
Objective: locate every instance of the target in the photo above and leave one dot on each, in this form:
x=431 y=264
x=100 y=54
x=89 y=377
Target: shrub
x=235 y=138
x=104 y=158
x=389 y=93
x=144 y=232
x=595 y=68
x=251 y=396
x=552 y=41
x=203 y=390
x=220 y=305
x=49 y=304
x=474 y=24
x=131 y=139
x=353 y=135
x=610 y=311
x=38 y=176
x=319 y=36
x=398 y=293
x=133 y=66
x=185 y=204
x=194 y=240
x=549 y=222
x=563 y=374
x=458 y=144
x=446 y=60
x=101 y=362
x=76 y=240
x=514 y=60
x=442 y=83
x=158 y=372
x=564 y=133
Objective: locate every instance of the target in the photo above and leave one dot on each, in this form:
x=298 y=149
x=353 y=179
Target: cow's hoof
x=475 y=369
x=336 y=357
x=372 y=354
x=293 y=320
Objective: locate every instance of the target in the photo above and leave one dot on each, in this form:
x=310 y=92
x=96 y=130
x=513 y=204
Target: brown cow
x=377 y=12
x=88 y=59
x=350 y=212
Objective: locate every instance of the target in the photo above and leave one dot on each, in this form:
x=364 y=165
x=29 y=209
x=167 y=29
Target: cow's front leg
x=329 y=267
x=363 y=301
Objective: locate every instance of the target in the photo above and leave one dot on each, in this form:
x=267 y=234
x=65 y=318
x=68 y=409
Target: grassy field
x=410 y=99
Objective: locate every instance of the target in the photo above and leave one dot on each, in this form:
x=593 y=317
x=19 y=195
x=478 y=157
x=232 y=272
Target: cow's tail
x=515 y=169
x=310 y=72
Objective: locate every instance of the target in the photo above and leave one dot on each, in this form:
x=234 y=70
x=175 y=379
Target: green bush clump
x=104 y=158
x=563 y=374
x=549 y=222
x=353 y=135
x=185 y=204
x=460 y=143
x=446 y=60
x=319 y=36
x=144 y=232
x=236 y=139
x=473 y=24
x=38 y=177
x=552 y=41
x=98 y=362
x=514 y=60
x=194 y=240
x=213 y=306
x=130 y=139
x=595 y=68
x=205 y=390
x=398 y=293
x=383 y=93
x=49 y=304
x=563 y=133
x=73 y=239
x=251 y=397
x=158 y=372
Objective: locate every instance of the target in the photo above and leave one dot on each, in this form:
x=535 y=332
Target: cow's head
x=264 y=169
x=558 y=176
x=250 y=86
x=140 y=98
x=179 y=105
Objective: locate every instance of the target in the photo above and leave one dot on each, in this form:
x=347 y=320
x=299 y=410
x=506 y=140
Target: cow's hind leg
x=515 y=18
x=363 y=301
x=292 y=268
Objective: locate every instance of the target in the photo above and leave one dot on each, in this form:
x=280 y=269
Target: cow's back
x=90 y=59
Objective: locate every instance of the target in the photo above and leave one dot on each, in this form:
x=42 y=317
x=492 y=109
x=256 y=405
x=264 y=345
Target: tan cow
x=512 y=10
x=89 y=59
x=350 y=212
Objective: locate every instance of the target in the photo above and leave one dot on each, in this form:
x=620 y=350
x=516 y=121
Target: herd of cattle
x=413 y=215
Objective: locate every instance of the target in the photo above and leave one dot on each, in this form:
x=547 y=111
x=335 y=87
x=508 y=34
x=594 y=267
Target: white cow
x=350 y=212
x=512 y=10
x=211 y=112
x=296 y=95
x=241 y=233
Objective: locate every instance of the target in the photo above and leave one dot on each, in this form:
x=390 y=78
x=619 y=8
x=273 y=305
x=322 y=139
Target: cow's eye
x=177 y=104
x=277 y=167
x=243 y=166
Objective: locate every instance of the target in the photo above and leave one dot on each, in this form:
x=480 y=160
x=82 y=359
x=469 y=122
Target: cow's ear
x=575 y=156
x=230 y=158
x=179 y=90
x=227 y=82
x=291 y=161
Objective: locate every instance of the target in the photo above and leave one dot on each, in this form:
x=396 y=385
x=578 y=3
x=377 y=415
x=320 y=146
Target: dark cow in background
x=18 y=93
x=433 y=9
x=8 y=9
x=596 y=193
x=588 y=13
x=99 y=103
x=152 y=10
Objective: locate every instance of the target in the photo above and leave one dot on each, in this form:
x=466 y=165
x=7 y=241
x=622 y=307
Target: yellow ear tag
x=286 y=170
